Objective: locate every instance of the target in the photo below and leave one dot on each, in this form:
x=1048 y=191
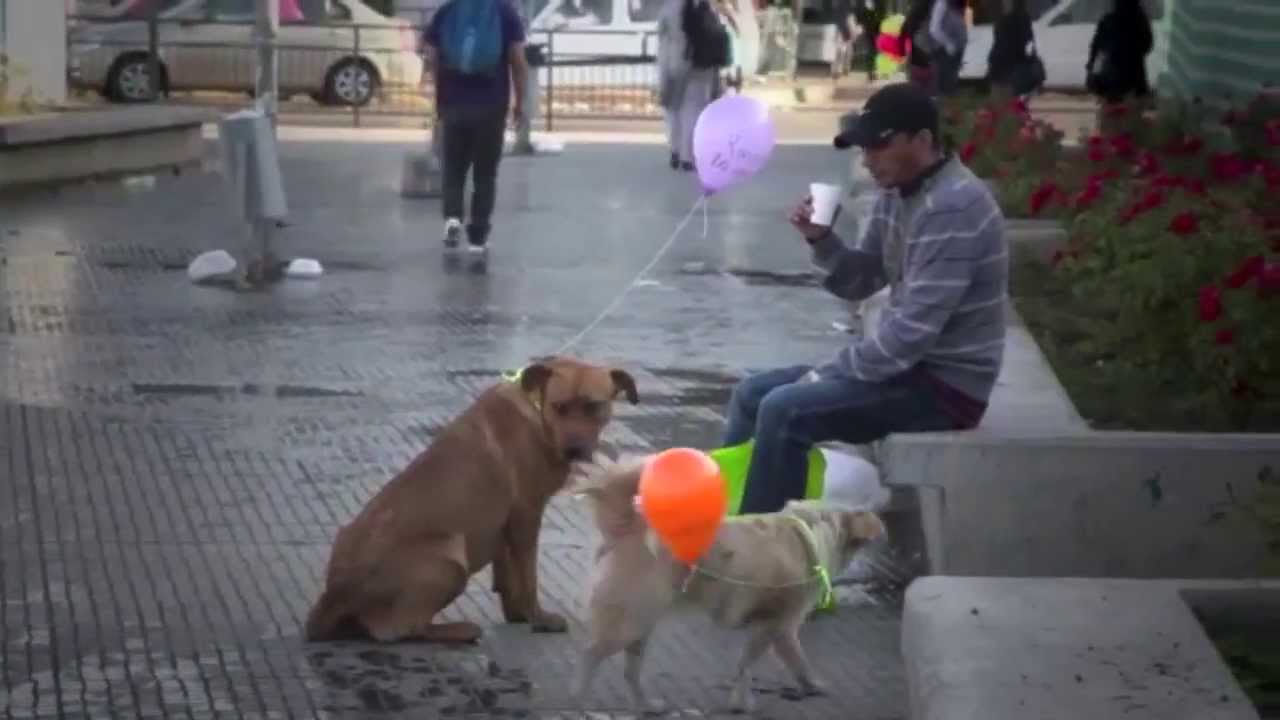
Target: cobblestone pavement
x=176 y=459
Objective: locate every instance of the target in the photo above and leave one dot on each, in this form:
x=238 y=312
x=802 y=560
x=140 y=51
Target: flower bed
x=1163 y=311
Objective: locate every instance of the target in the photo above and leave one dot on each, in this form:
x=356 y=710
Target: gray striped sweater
x=942 y=251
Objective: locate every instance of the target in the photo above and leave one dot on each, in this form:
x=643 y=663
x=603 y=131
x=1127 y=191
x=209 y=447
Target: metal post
x=266 y=88
x=524 y=130
x=267 y=83
x=355 y=117
x=551 y=83
x=153 y=52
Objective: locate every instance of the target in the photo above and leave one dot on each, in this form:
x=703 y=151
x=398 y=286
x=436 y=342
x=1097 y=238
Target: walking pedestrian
x=693 y=46
x=476 y=49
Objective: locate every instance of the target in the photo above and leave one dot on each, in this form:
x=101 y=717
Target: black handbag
x=1029 y=75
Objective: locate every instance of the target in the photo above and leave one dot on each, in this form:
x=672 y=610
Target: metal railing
x=344 y=71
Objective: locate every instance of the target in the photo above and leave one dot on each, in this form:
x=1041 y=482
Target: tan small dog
x=762 y=573
x=475 y=496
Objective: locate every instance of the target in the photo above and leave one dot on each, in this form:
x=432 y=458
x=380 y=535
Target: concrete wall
x=1218 y=48
x=1098 y=504
x=35 y=39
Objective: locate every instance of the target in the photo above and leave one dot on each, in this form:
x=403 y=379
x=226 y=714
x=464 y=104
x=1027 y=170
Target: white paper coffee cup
x=826 y=200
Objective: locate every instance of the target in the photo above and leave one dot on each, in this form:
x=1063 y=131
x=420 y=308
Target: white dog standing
x=764 y=573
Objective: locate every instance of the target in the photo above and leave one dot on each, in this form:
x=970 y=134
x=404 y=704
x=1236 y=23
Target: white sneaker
x=452 y=232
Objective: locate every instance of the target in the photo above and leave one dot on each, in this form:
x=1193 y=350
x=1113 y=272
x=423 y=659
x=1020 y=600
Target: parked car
x=624 y=32
x=1063 y=29
x=208 y=45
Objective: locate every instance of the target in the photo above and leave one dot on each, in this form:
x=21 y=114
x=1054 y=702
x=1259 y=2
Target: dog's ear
x=863 y=525
x=625 y=384
x=534 y=377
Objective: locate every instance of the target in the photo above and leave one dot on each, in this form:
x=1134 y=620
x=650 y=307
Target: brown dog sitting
x=475 y=496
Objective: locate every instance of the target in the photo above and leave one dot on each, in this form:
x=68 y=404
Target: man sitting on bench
x=935 y=236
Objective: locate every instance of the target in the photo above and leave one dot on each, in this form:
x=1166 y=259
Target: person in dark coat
x=919 y=64
x=1117 y=66
x=1010 y=48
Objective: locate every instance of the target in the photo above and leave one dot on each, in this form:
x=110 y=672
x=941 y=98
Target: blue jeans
x=787 y=419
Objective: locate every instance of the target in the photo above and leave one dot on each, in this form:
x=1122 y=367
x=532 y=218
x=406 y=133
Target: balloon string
x=704 y=202
x=613 y=305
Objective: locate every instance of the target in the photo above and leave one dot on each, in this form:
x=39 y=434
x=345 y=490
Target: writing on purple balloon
x=732 y=140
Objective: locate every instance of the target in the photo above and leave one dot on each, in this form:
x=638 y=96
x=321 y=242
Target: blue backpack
x=471 y=41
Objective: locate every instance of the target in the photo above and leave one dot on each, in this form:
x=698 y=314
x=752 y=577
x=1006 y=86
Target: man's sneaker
x=452 y=232
x=477 y=248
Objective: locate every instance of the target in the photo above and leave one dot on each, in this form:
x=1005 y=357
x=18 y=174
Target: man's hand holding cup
x=815 y=216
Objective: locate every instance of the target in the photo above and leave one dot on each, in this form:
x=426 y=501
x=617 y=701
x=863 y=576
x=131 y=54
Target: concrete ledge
x=1065 y=649
x=77 y=145
x=1113 y=504
x=1035 y=239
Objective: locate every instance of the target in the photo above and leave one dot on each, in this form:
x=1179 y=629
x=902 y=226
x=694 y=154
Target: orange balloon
x=683 y=497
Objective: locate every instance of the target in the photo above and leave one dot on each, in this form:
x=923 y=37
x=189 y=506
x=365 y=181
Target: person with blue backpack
x=476 y=51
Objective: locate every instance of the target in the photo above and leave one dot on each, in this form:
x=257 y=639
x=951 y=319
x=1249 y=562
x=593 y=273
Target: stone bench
x=1069 y=648
x=79 y=144
x=1027 y=399
x=1034 y=491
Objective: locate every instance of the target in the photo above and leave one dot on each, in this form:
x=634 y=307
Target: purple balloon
x=732 y=140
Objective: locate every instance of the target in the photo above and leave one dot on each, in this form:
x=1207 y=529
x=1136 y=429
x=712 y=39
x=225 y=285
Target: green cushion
x=735 y=460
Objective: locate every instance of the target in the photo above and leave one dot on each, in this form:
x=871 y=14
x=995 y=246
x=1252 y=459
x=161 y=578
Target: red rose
x=968 y=151
x=1195 y=186
x=1088 y=195
x=1273 y=132
x=1227 y=167
x=1123 y=145
x=1271 y=175
x=1184 y=223
x=1166 y=181
x=1225 y=336
x=1249 y=269
x=1151 y=200
x=1099 y=178
x=1096 y=141
x=1210 y=303
x=1148 y=163
x=1057 y=258
x=1043 y=195
x=1019 y=106
x=1269 y=280
x=1185 y=145
x=1117 y=110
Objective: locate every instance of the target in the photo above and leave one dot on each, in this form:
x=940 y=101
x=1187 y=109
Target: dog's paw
x=549 y=622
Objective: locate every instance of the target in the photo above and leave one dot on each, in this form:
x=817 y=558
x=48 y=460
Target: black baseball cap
x=893 y=109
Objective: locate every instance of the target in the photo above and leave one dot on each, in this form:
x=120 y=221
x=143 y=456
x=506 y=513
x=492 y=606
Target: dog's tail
x=611 y=487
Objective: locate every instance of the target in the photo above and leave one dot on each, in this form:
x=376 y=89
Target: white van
x=207 y=45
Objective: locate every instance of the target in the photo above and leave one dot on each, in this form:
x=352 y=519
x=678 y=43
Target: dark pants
x=473 y=138
x=787 y=419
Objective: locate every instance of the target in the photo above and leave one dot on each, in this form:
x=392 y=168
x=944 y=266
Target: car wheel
x=351 y=82
x=130 y=80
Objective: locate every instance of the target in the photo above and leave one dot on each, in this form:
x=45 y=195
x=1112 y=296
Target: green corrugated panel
x=1218 y=48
